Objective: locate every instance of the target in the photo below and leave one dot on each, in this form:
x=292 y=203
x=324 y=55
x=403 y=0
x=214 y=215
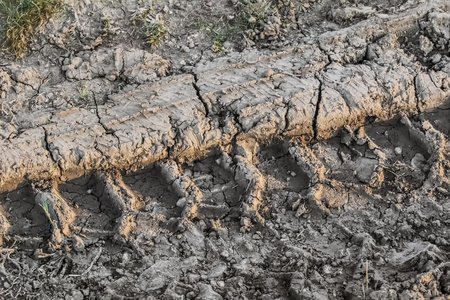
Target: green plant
x=44 y=206
x=83 y=92
x=235 y=29
x=154 y=33
x=106 y=23
x=108 y=27
x=219 y=37
x=23 y=18
x=152 y=28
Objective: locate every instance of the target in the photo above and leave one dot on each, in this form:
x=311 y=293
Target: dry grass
x=23 y=18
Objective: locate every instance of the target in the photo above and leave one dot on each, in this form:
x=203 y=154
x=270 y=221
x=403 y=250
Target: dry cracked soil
x=243 y=149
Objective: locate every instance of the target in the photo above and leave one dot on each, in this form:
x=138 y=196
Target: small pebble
x=181 y=202
x=125 y=258
x=28 y=287
x=224 y=254
x=327 y=269
x=185 y=48
x=77 y=295
x=398 y=150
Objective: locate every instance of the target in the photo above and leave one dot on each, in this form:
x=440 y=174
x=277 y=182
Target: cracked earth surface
x=315 y=166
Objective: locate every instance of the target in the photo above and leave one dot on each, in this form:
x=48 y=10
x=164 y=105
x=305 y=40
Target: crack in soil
x=315 y=125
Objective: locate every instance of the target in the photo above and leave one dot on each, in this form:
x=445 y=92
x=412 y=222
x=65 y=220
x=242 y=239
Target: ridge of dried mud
x=318 y=171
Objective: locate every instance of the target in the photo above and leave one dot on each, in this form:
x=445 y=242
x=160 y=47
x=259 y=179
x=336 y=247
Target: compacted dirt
x=262 y=150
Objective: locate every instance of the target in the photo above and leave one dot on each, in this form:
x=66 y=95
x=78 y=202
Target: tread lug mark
x=371 y=163
x=118 y=201
x=381 y=141
x=277 y=163
x=29 y=226
x=435 y=143
x=290 y=179
x=91 y=220
x=185 y=188
x=248 y=176
x=60 y=213
x=221 y=193
x=315 y=171
x=160 y=199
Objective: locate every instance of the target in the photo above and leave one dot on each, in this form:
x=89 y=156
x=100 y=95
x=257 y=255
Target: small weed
x=154 y=33
x=23 y=18
x=235 y=29
x=83 y=92
x=106 y=23
x=152 y=28
x=108 y=27
x=44 y=206
x=219 y=37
